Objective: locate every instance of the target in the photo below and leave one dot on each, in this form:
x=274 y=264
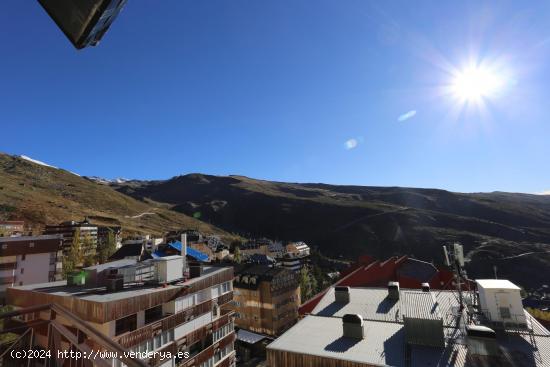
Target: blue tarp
x=191 y=252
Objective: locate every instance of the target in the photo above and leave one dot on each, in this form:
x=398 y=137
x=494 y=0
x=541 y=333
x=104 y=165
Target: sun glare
x=476 y=83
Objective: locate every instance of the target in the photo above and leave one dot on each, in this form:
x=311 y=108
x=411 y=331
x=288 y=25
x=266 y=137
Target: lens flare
x=476 y=83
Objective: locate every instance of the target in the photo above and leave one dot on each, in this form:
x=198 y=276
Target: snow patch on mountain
x=36 y=161
x=107 y=181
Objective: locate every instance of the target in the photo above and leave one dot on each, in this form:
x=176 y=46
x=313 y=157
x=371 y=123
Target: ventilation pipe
x=353 y=326
x=341 y=294
x=482 y=341
x=425 y=287
x=393 y=290
x=184 y=251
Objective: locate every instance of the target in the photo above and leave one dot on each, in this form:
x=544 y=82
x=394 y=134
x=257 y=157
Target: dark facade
x=88 y=234
x=266 y=299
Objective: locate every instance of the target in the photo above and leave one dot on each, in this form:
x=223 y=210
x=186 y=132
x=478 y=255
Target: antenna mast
x=454 y=258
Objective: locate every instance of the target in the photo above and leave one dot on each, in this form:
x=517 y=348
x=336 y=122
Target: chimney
x=393 y=290
x=353 y=326
x=184 y=251
x=341 y=294
x=184 y=244
x=425 y=287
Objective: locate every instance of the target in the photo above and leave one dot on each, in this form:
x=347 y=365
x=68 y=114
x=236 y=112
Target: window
x=226 y=287
x=23 y=257
x=22 y=270
x=125 y=324
x=153 y=314
x=157 y=341
x=505 y=313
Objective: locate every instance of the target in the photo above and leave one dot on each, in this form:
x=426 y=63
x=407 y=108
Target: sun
x=474 y=84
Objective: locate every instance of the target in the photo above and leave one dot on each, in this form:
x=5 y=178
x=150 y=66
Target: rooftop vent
x=482 y=341
x=393 y=290
x=115 y=282
x=341 y=294
x=195 y=270
x=353 y=326
x=425 y=287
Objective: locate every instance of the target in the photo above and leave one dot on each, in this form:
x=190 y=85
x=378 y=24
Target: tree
x=106 y=248
x=88 y=251
x=74 y=257
x=306 y=284
x=237 y=255
x=234 y=244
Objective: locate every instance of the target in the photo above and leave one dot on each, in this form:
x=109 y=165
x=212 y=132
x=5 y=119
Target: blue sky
x=345 y=92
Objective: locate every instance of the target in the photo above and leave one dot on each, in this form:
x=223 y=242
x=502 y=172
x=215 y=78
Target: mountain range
x=509 y=231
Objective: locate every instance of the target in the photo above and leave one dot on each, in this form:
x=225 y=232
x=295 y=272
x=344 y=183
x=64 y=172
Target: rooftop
x=100 y=294
x=99 y=305
x=374 y=305
x=496 y=284
x=321 y=333
x=249 y=337
x=127 y=250
x=31 y=238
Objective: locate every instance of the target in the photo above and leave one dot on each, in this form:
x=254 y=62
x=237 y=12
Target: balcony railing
x=197 y=335
x=7 y=280
x=8 y=266
x=209 y=352
x=147 y=332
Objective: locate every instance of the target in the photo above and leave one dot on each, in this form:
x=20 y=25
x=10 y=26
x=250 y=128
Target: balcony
x=147 y=332
x=209 y=352
x=209 y=348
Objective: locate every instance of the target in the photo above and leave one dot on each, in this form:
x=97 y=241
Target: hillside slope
x=348 y=221
x=43 y=195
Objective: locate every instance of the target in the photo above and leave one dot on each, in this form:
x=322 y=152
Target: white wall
x=36 y=268
x=196 y=323
x=492 y=299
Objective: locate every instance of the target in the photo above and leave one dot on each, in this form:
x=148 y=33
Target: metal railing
x=78 y=337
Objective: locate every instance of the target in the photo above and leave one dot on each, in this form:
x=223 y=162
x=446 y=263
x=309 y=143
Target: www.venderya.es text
x=97 y=354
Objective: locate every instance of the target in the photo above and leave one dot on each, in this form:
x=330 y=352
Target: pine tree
x=237 y=255
x=88 y=251
x=74 y=257
x=107 y=248
x=306 y=286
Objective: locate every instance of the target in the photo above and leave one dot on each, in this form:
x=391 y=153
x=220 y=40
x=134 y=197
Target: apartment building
x=266 y=299
x=88 y=233
x=296 y=256
x=29 y=260
x=363 y=327
x=142 y=307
